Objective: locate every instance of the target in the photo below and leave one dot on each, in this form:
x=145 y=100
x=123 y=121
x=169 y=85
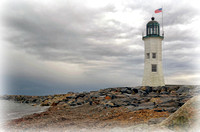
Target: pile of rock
x=166 y=98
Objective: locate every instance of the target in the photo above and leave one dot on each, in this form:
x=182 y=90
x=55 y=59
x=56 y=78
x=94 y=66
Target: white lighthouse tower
x=153 y=73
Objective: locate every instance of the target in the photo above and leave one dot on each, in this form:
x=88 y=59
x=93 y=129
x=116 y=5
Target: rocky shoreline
x=105 y=108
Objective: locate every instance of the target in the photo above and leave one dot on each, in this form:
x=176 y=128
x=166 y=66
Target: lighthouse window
x=147 y=55
x=155 y=30
x=154 y=55
x=154 y=68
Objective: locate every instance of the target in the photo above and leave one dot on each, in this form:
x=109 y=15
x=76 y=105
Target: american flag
x=158 y=10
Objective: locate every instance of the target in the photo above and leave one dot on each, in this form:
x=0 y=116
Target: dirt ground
x=85 y=116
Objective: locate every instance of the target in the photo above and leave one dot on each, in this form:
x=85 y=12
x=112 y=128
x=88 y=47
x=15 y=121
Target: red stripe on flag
x=158 y=10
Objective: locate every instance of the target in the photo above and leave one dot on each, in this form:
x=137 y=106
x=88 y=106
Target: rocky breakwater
x=106 y=107
x=166 y=98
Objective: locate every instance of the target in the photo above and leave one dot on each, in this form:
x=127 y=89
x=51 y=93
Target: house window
x=147 y=55
x=154 y=68
x=154 y=55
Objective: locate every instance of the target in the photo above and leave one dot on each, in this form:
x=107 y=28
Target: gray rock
x=80 y=95
x=159 y=110
x=142 y=93
x=167 y=100
x=172 y=87
x=131 y=107
x=164 y=92
x=129 y=92
x=124 y=90
x=153 y=94
x=61 y=103
x=72 y=104
x=122 y=102
x=182 y=90
x=156 y=120
x=109 y=104
x=164 y=88
x=120 y=96
x=171 y=109
x=70 y=97
x=148 y=89
x=143 y=107
x=157 y=89
x=113 y=96
x=170 y=104
x=148 y=105
x=134 y=91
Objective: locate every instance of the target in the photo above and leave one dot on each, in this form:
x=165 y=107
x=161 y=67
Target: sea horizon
x=65 y=91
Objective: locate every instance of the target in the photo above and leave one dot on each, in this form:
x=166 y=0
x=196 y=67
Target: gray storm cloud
x=70 y=36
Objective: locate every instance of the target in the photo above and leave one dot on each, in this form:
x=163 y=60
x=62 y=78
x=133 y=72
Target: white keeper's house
x=153 y=71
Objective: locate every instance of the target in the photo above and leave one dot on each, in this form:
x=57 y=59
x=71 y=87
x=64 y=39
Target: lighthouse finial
x=152 y=18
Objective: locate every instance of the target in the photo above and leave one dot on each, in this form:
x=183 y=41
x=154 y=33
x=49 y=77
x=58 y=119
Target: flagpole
x=162 y=22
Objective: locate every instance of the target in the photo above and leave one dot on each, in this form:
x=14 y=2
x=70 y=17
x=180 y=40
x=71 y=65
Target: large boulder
x=147 y=89
x=186 y=118
x=134 y=91
x=126 y=90
x=145 y=106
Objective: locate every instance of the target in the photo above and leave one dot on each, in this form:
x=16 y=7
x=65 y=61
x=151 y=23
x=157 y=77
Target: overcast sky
x=70 y=45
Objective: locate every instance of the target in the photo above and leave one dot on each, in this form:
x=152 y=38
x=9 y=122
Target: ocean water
x=11 y=110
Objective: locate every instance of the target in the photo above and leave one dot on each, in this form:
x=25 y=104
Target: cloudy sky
x=81 y=45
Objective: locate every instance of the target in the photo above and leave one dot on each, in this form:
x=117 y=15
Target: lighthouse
x=153 y=72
